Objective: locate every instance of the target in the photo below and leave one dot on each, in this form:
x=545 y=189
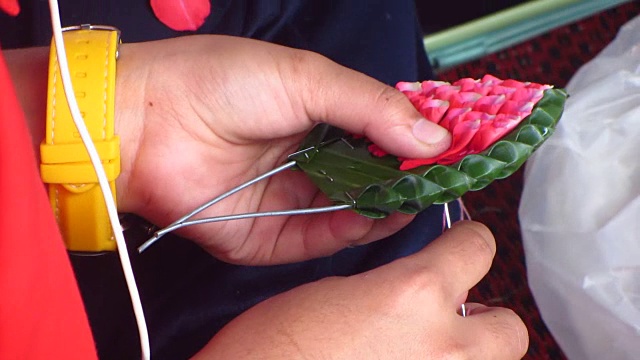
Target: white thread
x=447 y=216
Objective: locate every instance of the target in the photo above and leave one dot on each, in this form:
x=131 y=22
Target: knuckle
x=387 y=94
x=415 y=285
x=304 y=65
x=395 y=103
x=396 y=110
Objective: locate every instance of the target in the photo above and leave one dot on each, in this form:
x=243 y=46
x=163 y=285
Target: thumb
x=360 y=104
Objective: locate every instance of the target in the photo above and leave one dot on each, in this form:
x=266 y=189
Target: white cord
x=447 y=216
x=102 y=179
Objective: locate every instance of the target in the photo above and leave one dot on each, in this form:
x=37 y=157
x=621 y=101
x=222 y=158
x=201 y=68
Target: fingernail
x=428 y=132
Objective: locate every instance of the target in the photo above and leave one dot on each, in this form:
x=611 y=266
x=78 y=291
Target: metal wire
x=182 y=222
x=180 y=225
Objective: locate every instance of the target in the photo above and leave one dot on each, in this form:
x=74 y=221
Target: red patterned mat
x=551 y=58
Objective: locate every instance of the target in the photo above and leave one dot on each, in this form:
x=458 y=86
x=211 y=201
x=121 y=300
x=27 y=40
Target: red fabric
x=41 y=311
x=181 y=15
x=10 y=7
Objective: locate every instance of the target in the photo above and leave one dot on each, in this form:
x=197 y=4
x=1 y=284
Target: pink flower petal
x=490 y=80
x=408 y=86
x=489 y=104
x=464 y=99
x=433 y=109
x=477 y=112
x=452 y=117
x=527 y=94
x=514 y=83
x=414 y=96
x=182 y=15
x=428 y=87
x=375 y=150
x=501 y=90
x=466 y=84
x=492 y=131
x=445 y=92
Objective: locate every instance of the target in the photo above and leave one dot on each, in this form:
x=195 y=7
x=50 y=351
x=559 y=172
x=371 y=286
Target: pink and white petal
x=445 y=92
x=515 y=83
x=429 y=87
x=433 y=109
x=466 y=84
x=405 y=86
x=489 y=104
x=464 y=99
x=492 y=131
x=490 y=80
x=501 y=90
x=453 y=116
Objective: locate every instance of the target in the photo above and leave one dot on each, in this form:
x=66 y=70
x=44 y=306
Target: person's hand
x=408 y=309
x=199 y=115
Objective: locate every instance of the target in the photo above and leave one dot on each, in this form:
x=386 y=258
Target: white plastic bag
x=580 y=210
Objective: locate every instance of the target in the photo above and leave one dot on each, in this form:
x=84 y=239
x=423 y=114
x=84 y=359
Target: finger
x=494 y=333
x=457 y=260
x=360 y=104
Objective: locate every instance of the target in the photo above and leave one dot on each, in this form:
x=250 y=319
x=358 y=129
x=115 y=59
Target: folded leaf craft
x=495 y=125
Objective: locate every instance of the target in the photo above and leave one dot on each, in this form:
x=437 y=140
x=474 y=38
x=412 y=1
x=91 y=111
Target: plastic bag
x=580 y=210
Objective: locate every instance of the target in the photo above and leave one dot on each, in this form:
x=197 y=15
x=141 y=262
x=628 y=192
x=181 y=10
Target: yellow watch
x=74 y=192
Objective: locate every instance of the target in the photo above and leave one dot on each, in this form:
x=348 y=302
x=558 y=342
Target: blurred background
x=536 y=40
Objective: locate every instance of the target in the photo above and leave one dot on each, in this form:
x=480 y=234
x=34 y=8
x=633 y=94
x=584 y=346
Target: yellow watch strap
x=73 y=187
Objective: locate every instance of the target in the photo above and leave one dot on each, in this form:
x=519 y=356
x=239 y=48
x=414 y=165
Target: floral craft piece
x=476 y=112
x=495 y=124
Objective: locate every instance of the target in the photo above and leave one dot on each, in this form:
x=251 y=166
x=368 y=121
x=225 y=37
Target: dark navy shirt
x=188 y=295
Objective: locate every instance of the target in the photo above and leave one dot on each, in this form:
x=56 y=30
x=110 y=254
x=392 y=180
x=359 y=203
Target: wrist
x=130 y=108
x=29 y=68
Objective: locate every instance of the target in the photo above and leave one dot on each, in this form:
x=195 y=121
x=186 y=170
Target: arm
x=219 y=110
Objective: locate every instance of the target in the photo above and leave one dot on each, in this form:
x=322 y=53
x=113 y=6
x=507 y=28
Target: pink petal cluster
x=476 y=112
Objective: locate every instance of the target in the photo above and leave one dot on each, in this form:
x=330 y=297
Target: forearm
x=28 y=68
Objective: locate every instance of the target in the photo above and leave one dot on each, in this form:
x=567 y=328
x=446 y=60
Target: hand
x=199 y=115
x=404 y=310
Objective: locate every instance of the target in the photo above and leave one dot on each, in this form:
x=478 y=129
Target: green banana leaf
x=344 y=169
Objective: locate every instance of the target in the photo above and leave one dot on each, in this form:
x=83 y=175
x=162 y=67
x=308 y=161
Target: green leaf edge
x=389 y=189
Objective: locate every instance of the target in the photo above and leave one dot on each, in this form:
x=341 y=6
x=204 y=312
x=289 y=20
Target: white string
x=102 y=179
x=447 y=216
